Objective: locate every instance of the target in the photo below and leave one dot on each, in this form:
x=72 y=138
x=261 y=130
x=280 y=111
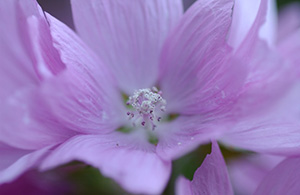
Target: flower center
x=148 y=107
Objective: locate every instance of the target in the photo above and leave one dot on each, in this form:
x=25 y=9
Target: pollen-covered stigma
x=148 y=106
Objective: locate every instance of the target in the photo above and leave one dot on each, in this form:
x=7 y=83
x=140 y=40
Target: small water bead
x=148 y=104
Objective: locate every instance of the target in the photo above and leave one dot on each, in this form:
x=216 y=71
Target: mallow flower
x=152 y=84
x=178 y=88
x=163 y=96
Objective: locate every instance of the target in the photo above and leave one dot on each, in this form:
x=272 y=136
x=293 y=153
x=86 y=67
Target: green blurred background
x=281 y=3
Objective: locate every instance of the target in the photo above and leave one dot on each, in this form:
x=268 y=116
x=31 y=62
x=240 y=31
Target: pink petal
x=270 y=78
x=250 y=41
x=283 y=179
x=268 y=31
x=84 y=97
x=210 y=178
x=185 y=134
x=198 y=74
x=290 y=48
x=183 y=186
x=133 y=164
x=244 y=15
x=46 y=58
x=247 y=172
x=26 y=34
x=25 y=121
x=274 y=137
x=289 y=21
x=9 y=155
x=275 y=132
x=14 y=161
x=270 y=75
x=16 y=70
x=127 y=35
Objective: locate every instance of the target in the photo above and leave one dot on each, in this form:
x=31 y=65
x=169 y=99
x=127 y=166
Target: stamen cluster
x=147 y=104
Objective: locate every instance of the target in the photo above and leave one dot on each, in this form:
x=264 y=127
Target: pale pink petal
x=46 y=61
x=275 y=132
x=15 y=162
x=210 y=178
x=127 y=35
x=84 y=97
x=31 y=39
x=290 y=48
x=283 y=179
x=198 y=74
x=244 y=15
x=185 y=134
x=183 y=186
x=268 y=31
x=270 y=78
x=250 y=40
x=289 y=21
x=16 y=70
x=270 y=75
x=130 y=162
x=9 y=155
x=247 y=172
x=271 y=136
x=25 y=121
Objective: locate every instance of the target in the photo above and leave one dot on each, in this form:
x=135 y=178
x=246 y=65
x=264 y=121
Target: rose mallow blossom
x=146 y=85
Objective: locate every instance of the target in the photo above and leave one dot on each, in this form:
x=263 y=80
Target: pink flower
x=104 y=109
x=197 y=76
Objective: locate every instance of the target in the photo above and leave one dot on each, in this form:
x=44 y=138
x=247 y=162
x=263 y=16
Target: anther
x=148 y=104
